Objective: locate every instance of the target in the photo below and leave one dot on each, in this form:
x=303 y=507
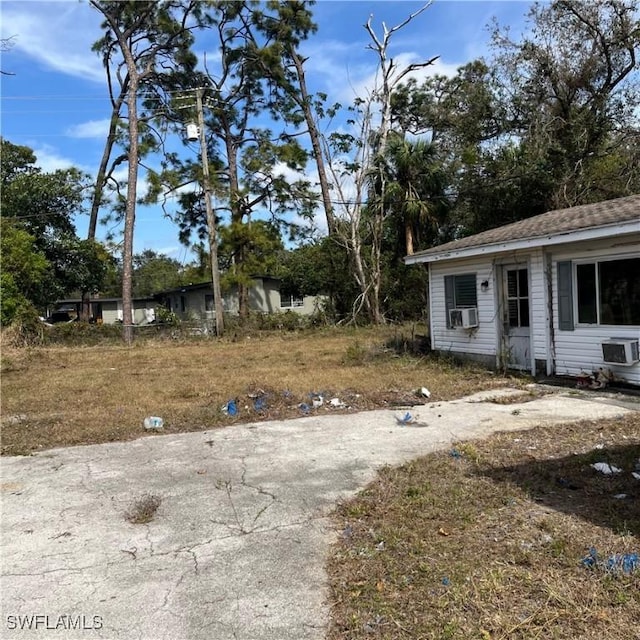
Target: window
x=460 y=292
x=183 y=304
x=288 y=300
x=608 y=292
x=518 y=297
x=208 y=302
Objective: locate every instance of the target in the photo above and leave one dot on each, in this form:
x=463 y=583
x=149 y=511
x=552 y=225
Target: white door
x=516 y=322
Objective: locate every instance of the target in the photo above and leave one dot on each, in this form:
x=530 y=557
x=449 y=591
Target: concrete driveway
x=237 y=547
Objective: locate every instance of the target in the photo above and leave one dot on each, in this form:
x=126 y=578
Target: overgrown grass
x=489 y=541
x=60 y=395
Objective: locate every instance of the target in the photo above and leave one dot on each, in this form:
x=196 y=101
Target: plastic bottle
x=153 y=422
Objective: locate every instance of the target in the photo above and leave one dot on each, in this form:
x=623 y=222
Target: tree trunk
x=314 y=136
x=408 y=235
x=130 y=206
x=101 y=176
x=237 y=215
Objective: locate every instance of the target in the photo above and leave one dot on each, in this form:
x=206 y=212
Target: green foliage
x=414 y=191
x=285 y=321
x=321 y=267
x=248 y=83
x=82 y=334
x=356 y=355
x=154 y=272
x=404 y=291
x=25 y=329
x=574 y=82
x=359 y=355
x=42 y=257
x=248 y=249
x=164 y=316
x=549 y=121
x=23 y=273
x=43 y=203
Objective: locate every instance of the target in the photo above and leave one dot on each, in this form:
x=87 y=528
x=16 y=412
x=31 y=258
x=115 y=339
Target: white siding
x=479 y=341
x=539 y=308
x=566 y=352
x=486 y=339
x=580 y=349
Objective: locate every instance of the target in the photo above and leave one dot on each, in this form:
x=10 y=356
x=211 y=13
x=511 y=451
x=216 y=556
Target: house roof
x=206 y=285
x=611 y=217
x=92 y=299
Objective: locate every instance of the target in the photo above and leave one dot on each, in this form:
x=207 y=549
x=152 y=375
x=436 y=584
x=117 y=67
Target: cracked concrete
x=237 y=547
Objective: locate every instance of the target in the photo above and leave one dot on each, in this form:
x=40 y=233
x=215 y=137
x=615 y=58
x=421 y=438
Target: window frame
x=295 y=301
x=596 y=262
x=452 y=302
x=523 y=320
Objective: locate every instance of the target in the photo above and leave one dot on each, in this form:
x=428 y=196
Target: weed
x=558 y=547
x=355 y=355
x=143 y=509
x=469 y=451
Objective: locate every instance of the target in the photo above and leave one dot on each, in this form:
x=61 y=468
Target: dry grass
x=143 y=509
x=487 y=541
x=60 y=396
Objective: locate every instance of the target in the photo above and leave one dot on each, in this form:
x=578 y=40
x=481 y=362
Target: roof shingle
x=587 y=216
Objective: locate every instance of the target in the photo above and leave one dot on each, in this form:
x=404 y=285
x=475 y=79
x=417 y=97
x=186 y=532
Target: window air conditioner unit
x=620 y=351
x=463 y=318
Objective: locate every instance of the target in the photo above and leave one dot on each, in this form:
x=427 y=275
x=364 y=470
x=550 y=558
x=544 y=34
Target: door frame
x=504 y=361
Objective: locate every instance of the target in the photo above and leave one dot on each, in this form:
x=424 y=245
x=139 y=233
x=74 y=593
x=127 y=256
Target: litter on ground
x=597 y=380
x=625 y=563
x=153 y=423
x=407 y=418
x=231 y=408
x=606 y=468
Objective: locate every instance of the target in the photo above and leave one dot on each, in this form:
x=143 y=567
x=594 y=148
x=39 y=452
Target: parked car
x=58 y=317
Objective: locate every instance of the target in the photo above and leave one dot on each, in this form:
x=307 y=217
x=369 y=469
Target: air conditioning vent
x=463 y=318
x=620 y=351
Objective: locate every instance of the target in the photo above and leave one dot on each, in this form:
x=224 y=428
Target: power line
x=21 y=111
x=65 y=96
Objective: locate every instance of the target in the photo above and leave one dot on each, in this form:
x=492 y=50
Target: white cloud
x=37 y=27
x=311 y=175
x=170 y=251
x=346 y=71
x=365 y=84
x=49 y=160
x=91 y=129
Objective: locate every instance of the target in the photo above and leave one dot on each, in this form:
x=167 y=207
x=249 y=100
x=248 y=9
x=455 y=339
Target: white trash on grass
x=153 y=423
x=606 y=468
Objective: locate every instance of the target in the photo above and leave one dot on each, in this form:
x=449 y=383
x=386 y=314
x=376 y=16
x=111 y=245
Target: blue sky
x=56 y=103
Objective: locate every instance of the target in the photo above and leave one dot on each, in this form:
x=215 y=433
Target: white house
x=558 y=293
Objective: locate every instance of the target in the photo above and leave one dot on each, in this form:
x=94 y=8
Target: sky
x=56 y=101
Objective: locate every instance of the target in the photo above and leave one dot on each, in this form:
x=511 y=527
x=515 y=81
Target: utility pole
x=211 y=220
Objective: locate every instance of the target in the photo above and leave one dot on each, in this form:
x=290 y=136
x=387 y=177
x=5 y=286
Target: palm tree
x=414 y=192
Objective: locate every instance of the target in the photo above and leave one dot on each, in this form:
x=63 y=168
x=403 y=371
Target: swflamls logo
x=63 y=622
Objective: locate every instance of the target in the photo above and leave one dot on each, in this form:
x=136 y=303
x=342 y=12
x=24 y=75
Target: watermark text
x=62 y=622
